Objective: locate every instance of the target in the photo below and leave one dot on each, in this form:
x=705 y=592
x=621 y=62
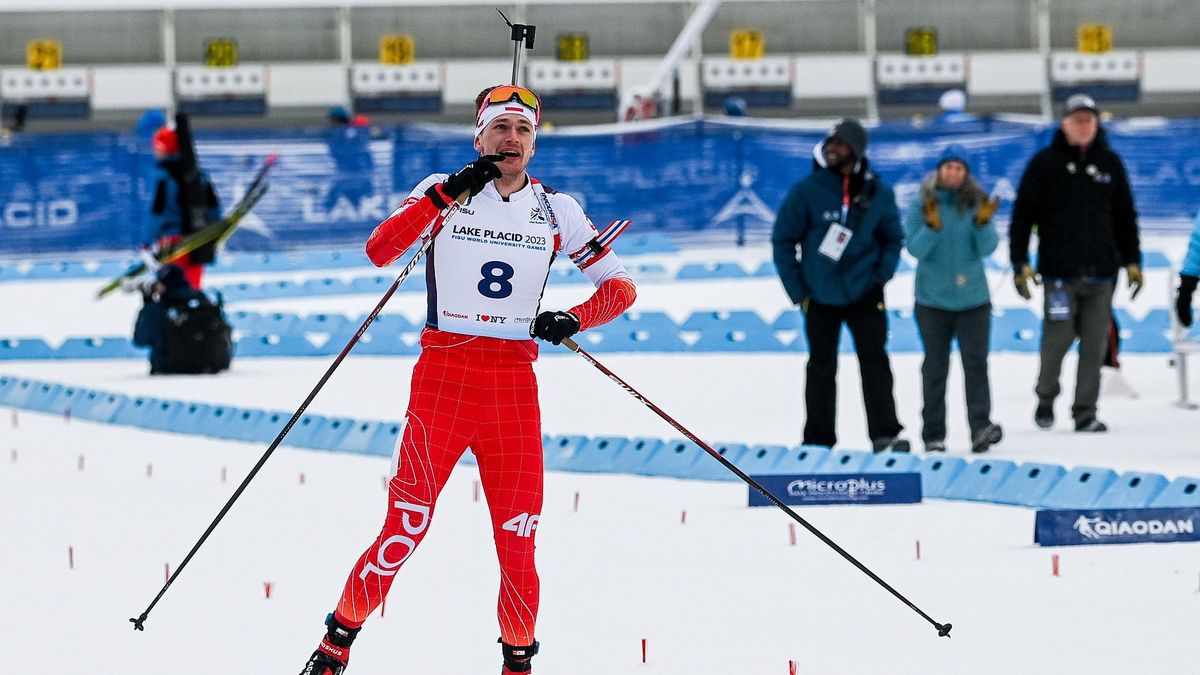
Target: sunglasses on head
x=509 y=93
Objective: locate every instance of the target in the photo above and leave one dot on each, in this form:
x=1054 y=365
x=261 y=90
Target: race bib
x=835 y=241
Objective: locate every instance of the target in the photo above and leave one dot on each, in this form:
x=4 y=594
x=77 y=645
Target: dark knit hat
x=171 y=276
x=850 y=132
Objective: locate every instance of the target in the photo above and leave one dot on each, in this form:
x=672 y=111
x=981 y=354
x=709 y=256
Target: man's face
x=838 y=155
x=1080 y=127
x=510 y=136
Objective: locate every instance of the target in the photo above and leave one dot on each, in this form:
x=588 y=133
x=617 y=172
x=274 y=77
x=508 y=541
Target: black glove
x=473 y=177
x=554 y=326
x=1183 y=301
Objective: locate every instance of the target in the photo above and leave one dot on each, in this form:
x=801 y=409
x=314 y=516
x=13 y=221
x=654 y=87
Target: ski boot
x=516 y=659
x=333 y=653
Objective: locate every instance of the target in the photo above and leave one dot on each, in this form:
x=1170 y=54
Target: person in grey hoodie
x=950 y=231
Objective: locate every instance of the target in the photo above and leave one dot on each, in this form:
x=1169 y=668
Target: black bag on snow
x=197 y=339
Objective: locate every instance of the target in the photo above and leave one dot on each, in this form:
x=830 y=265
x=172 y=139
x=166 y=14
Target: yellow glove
x=986 y=210
x=932 y=217
x=1134 y=274
x=1022 y=278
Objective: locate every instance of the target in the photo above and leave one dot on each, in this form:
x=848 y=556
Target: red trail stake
x=918 y=549
x=81 y=462
x=475 y=491
x=792 y=533
x=576 y=502
x=71 y=557
x=643 y=650
x=791 y=667
x=166 y=572
x=1054 y=564
x=267 y=587
x=683 y=517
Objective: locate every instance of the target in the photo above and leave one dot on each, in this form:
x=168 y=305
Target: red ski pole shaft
x=942 y=629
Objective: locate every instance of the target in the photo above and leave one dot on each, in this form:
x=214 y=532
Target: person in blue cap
x=950 y=232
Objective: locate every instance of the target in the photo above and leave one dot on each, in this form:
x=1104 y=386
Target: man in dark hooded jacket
x=1077 y=193
x=837 y=241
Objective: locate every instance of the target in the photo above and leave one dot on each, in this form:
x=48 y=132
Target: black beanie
x=850 y=132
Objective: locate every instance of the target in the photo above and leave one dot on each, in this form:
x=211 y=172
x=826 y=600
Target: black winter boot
x=332 y=655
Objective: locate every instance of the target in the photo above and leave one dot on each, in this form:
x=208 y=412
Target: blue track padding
x=269 y=426
x=220 y=421
x=245 y=321
x=325 y=286
x=161 y=415
x=276 y=345
x=762 y=459
x=100 y=406
x=624 y=338
x=598 y=454
x=1079 y=489
x=788 y=319
x=371 y=438
x=387 y=324
x=304 y=430
x=329 y=434
x=844 y=461
x=135 y=411
x=766 y=269
x=643 y=243
x=979 y=480
x=892 y=462
x=99 y=348
x=1152 y=260
x=1150 y=334
x=7 y=382
x=379 y=344
x=715 y=270
x=676 y=458
x=637 y=452
x=278 y=323
x=1028 y=484
x=743 y=320
x=373 y=285
x=1182 y=492
x=635 y=320
x=42 y=396
x=69 y=398
x=1015 y=329
x=191 y=419
x=902 y=332
x=716 y=339
x=708 y=468
x=323 y=323
x=16 y=392
x=243 y=424
x=559 y=451
x=1132 y=490
x=25 y=348
x=802 y=459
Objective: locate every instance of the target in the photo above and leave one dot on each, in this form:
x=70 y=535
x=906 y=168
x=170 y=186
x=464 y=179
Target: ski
x=217 y=233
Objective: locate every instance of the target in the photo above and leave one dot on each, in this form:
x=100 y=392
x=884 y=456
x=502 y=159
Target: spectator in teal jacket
x=950 y=233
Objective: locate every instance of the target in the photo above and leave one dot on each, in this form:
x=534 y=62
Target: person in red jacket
x=473 y=385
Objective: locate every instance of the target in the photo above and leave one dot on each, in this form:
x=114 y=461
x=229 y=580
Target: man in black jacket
x=185 y=331
x=1077 y=194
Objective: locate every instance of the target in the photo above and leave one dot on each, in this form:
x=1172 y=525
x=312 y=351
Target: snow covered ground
x=724 y=592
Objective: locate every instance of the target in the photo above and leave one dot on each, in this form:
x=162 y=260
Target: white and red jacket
x=488 y=265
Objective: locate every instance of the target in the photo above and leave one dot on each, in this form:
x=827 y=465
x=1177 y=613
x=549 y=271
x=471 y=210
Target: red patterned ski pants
x=466 y=391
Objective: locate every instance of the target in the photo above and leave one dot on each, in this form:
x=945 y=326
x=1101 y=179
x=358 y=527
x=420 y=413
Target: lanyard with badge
x=838 y=236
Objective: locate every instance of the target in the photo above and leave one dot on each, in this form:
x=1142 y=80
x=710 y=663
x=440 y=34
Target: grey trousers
x=1089 y=319
x=972 y=328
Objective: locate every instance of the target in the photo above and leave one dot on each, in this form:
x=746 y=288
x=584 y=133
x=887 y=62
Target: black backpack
x=196 y=339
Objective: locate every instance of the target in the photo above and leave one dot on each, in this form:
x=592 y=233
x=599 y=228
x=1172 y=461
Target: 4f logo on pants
x=523 y=525
x=387 y=567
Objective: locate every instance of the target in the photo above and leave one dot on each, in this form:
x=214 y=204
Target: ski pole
x=139 y=622
x=943 y=629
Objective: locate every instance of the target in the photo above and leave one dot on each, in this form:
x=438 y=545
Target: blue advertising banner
x=1115 y=526
x=839 y=488
x=718 y=179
